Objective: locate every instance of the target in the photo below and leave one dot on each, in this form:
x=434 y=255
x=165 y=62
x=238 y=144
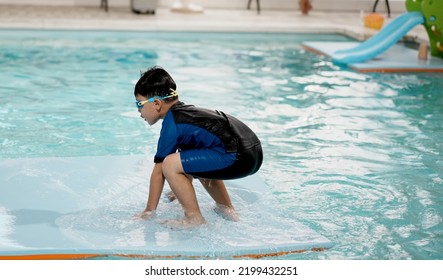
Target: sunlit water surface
x=357 y=157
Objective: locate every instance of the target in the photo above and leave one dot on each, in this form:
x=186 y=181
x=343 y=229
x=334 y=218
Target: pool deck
x=120 y=18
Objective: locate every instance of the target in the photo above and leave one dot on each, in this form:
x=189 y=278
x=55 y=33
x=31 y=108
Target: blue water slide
x=380 y=42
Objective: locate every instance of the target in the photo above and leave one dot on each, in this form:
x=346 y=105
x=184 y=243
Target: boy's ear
x=158 y=104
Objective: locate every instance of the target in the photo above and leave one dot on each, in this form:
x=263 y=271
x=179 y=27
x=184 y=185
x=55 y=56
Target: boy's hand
x=145 y=215
x=171 y=196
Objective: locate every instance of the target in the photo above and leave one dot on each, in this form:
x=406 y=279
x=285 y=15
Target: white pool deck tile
x=121 y=18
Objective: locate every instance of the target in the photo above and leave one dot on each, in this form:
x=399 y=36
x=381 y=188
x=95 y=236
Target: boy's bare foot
x=171 y=196
x=226 y=212
x=145 y=215
x=183 y=224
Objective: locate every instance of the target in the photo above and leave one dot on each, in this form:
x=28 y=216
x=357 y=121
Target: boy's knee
x=166 y=165
x=171 y=164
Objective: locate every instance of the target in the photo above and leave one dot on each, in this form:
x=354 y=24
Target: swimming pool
x=356 y=156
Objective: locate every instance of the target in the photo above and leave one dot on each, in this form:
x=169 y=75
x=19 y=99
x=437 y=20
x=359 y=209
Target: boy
x=194 y=142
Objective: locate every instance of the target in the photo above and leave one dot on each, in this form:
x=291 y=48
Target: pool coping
x=212 y=20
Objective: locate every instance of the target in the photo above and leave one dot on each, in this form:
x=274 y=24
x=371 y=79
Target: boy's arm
x=155 y=187
x=155 y=190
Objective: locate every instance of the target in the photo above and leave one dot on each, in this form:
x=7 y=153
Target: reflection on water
x=357 y=157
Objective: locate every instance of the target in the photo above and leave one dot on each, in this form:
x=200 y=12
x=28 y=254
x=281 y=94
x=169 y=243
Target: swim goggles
x=140 y=104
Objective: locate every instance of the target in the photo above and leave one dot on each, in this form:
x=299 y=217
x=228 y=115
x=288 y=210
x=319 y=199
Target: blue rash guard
x=212 y=144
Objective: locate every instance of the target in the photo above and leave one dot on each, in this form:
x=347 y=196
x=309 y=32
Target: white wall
x=357 y=5
x=321 y=5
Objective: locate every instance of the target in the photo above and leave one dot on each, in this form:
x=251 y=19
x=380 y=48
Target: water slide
x=380 y=42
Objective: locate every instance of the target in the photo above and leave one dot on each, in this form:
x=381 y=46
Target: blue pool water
x=356 y=156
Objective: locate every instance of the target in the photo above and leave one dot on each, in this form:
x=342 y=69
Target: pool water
x=357 y=157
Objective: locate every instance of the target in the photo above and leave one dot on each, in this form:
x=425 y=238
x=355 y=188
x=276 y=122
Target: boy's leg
x=183 y=190
x=171 y=196
x=217 y=190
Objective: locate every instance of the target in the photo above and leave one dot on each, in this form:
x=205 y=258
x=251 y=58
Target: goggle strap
x=172 y=94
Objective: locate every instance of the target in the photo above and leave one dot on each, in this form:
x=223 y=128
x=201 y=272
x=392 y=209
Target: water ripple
x=356 y=157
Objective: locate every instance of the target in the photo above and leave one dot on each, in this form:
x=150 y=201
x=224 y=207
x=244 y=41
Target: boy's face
x=150 y=111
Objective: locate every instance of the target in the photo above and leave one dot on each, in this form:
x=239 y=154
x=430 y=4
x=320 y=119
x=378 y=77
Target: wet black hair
x=156 y=81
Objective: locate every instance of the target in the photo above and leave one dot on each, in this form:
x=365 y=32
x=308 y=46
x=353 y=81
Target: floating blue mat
x=81 y=207
x=397 y=58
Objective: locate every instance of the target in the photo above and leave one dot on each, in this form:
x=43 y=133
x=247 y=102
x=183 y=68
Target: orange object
x=423 y=51
x=374 y=21
x=305 y=6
